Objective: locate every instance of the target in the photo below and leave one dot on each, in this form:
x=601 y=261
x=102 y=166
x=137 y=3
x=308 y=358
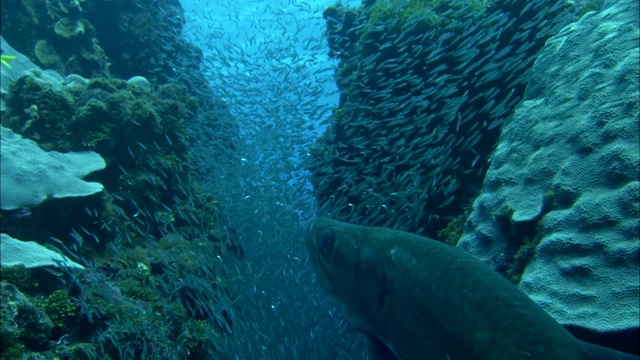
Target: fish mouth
x=320 y=267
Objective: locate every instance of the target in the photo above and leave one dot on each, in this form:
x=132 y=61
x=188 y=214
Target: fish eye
x=325 y=241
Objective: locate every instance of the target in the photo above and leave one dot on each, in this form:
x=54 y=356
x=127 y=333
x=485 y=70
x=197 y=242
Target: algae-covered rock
x=56 y=35
x=47 y=56
x=68 y=28
x=21 y=320
x=80 y=351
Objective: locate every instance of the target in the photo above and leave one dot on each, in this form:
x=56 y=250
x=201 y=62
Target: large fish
x=417 y=298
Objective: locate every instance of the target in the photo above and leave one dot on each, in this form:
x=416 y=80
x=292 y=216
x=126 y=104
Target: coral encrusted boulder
x=563 y=181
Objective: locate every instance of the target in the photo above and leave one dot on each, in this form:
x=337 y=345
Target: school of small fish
x=371 y=122
x=421 y=108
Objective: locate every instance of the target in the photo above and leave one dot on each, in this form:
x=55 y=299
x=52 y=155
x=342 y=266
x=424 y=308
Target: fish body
x=422 y=299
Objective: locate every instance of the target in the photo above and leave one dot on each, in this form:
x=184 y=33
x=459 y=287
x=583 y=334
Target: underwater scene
x=320 y=179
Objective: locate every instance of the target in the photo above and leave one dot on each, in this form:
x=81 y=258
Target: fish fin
x=597 y=352
x=5 y=60
x=378 y=350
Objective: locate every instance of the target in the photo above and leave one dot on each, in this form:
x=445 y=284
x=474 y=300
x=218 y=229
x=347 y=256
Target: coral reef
x=148 y=242
x=566 y=168
x=425 y=87
x=76 y=37
x=55 y=35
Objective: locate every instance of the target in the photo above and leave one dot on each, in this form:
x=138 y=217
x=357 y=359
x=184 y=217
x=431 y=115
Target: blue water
x=269 y=61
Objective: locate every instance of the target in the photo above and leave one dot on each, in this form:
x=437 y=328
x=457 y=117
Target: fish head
x=349 y=267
